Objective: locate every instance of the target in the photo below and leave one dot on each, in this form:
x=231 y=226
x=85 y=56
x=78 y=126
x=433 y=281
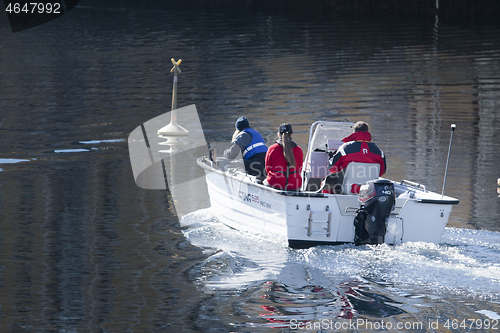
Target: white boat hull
x=304 y=219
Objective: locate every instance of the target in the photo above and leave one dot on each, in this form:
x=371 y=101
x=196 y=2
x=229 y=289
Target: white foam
x=70 y=150
x=467 y=269
x=489 y=314
x=466 y=264
x=91 y=142
x=239 y=260
x=12 y=160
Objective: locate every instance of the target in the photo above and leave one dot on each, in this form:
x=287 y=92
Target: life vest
x=358 y=148
x=257 y=145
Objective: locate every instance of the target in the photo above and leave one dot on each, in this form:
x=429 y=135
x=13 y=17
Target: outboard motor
x=376 y=199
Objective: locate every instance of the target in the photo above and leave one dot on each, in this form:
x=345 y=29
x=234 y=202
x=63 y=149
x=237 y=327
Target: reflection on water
x=256 y=284
x=82 y=248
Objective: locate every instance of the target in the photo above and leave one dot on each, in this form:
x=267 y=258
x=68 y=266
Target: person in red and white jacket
x=284 y=161
x=357 y=147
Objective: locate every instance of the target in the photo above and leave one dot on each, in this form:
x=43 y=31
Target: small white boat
x=310 y=217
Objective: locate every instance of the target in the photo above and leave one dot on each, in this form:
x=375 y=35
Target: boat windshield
x=328 y=130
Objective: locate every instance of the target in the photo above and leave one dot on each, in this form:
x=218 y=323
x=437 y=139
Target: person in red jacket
x=357 y=147
x=284 y=161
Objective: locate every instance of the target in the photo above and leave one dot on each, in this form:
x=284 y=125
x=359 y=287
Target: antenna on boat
x=453 y=126
x=174 y=129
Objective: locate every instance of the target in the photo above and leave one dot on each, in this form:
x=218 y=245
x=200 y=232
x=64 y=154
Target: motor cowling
x=376 y=200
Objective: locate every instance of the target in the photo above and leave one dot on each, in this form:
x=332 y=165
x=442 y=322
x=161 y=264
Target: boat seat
x=319 y=164
x=355 y=173
x=319 y=170
x=359 y=173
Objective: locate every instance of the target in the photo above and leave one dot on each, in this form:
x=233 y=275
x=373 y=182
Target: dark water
x=83 y=249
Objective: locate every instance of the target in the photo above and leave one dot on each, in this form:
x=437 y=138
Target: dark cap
x=242 y=123
x=285 y=128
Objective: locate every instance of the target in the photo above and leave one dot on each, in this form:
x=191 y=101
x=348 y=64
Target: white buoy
x=174 y=142
x=174 y=129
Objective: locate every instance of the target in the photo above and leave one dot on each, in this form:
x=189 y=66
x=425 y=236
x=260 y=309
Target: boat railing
x=322 y=136
x=308 y=160
x=414 y=185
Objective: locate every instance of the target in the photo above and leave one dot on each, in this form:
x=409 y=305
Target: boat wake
x=347 y=281
x=236 y=259
x=465 y=262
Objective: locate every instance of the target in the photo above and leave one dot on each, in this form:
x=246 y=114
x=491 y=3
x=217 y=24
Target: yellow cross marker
x=176 y=70
x=173 y=129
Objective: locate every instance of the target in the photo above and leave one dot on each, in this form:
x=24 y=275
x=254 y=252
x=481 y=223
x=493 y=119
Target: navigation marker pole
x=174 y=129
x=453 y=126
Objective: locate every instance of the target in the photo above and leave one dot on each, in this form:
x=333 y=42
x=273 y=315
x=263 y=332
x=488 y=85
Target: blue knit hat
x=242 y=123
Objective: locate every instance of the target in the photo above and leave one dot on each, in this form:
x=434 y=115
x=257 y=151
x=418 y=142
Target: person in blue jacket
x=252 y=147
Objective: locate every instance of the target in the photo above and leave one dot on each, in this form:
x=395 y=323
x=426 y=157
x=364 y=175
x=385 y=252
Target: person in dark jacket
x=284 y=161
x=357 y=147
x=252 y=147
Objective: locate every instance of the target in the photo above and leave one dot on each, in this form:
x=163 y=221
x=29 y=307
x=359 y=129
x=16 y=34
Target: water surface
x=83 y=249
